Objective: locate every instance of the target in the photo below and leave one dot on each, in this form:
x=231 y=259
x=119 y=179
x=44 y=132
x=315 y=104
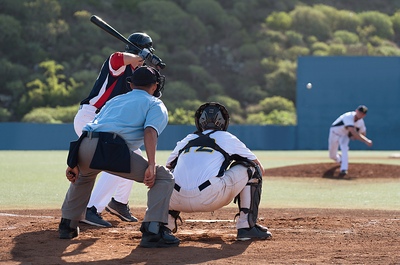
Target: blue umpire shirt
x=128 y=115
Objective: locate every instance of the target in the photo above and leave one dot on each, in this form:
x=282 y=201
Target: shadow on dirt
x=210 y=250
x=334 y=173
x=44 y=247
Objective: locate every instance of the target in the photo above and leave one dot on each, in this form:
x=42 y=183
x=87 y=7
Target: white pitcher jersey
x=347 y=120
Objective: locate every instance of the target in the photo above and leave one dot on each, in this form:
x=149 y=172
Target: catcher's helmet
x=142 y=40
x=212 y=115
x=146 y=75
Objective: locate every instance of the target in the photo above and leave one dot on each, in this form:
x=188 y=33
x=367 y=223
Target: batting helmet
x=142 y=40
x=212 y=115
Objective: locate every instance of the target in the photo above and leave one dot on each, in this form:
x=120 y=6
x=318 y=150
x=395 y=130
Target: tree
x=51 y=115
x=346 y=37
x=279 y=21
x=282 y=82
x=10 y=34
x=54 y=90
x=276 y=117
x=347 y=20
x=4 y=115
x=214 y=49
x=381 y=23
x=232 y=105
x=396 y=25
x=309 y=21
x=181 y=116
x=267 y=105
x=178 y=91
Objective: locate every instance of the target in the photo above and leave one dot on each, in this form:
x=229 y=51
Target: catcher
x=349 y=125
x=205 y=179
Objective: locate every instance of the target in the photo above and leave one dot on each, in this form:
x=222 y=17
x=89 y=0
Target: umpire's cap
x=143 y=76
x=362 y=108
x=147 y=75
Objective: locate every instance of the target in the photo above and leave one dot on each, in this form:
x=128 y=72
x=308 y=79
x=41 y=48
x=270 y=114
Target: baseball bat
x=107 y=28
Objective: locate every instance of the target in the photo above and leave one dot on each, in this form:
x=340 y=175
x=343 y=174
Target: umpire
x=125 y=123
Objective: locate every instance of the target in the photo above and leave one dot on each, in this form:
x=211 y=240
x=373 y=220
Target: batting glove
x=145 y=54
x=155 y=61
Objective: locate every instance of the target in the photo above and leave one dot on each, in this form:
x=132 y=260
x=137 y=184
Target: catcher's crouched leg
x=248 y=201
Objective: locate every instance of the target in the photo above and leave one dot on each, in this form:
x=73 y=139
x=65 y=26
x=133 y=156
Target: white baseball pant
x=335 y=142
x=219 y=193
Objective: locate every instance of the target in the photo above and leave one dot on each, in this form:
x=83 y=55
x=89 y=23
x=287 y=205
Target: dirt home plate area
x=300 y=236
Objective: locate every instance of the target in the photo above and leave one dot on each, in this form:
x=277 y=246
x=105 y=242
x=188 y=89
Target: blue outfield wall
x=32 y=136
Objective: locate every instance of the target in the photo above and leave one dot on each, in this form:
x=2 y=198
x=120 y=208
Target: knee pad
x=253 y=170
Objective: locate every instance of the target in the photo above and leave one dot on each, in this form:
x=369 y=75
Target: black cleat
x=121 y=210
x=65 y=231
x=256 y=232
x=92 y=217
x=162 y=239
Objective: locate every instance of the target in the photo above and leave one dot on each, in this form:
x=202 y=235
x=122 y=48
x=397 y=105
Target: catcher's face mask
x=212 y=115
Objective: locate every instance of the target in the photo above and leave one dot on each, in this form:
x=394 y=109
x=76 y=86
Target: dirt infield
x=300 y=236
x=332 y=170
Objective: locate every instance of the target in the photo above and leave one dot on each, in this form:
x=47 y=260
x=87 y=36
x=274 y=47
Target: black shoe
x=343 y=173
x=65 y=231
x=256 y=232
x=92 y=217
x=155 y=235
x=121 y=210
x=262 y=228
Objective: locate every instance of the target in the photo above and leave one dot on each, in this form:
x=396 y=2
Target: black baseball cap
x=362 y=108
x=143 y=76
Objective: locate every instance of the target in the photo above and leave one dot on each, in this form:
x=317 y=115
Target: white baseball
x=309 y=86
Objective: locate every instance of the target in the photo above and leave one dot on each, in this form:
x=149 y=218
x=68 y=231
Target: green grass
x=36 y=180
x=332 y=193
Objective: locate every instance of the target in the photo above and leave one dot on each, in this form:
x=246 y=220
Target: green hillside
x=241 y=53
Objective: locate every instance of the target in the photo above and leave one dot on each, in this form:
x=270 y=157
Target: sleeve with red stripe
x=117 y=60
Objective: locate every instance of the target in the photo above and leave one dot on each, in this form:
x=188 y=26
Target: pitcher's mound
x=332 y=170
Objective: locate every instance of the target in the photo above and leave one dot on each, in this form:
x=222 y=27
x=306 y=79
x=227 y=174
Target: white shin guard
x=244 y=203
x=248 y=201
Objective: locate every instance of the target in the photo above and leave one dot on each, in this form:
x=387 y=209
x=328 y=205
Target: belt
x=92 y=134
x=336 y=133
x=201 y=186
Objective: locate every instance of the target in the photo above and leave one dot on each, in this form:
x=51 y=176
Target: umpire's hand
x=150 y=176
x=72 y=174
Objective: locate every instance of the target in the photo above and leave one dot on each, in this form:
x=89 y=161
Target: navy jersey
x=109 y=83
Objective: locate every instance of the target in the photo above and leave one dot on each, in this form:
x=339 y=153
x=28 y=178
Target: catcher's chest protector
x=204 y=140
